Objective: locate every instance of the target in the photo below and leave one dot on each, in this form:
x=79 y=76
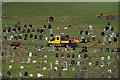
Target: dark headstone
x=49 y=26
x=115 y=39
x=86 y=32
x=26 y=74
x=102 y=34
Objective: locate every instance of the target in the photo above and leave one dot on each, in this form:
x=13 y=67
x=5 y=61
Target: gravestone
x=81 y=32
x=97 y=63
x=88 y=40
x=111 y=28
x=56 y=55
x=33 y=30
x=73 y=55
x=8 y=54
x=78 y=56
x=107 y=50
x=51 y=31
x=104 y=39
x=26 y=74
x=106 y=28
x=86 y=32
x=65 y=66
x=30 y=54
x=20 y=74
x=78 y=63
x=68 y=55
x=72 y=62
x=23 y=60
x=91 y=33
x=80 y=27
x=35 y=36
x=102 y=64
x=85 y=56
x=31 y=35
x=109 y=63
x=108 y=57
x=102 y=34
x=115 y=39
x=49 y=26
x=30 y=25
x=107 y=33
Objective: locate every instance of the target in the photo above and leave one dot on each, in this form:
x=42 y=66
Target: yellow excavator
x=62 y=41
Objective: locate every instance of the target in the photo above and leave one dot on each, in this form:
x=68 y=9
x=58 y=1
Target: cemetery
x=62 y=42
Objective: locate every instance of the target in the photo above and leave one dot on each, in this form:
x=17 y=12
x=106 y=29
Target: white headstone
x=108 y=57
x=78 y=56
x=20 y=74
x=102 y=58
x=73 y=69
x=12 y=60
x=45 y=62
x=31 y=75
x=46 y=38
x=90 y=64
x=22 y=67
x=39 y=75
x=109 y=71
x=78 y=63
x=30 y=54
x=55 y=68
x=56 y=62
x=33 y=61
x=45 y=56
x=44 y=68
x=10 y=66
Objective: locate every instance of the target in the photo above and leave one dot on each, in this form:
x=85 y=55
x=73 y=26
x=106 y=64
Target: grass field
x=77 y=14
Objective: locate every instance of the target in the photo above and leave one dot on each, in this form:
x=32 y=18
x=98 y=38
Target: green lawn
x=77 y=14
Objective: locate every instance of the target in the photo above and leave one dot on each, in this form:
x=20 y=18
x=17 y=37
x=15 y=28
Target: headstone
x=44 y=68
x=31 y=75
x=104 y=39
x=50 y=66
x=40 y=55
x=17 y=60
x=115 y=39
x=73 y=55
x=72 y=62
x=23 y=59
x=45 y=56
x=46 y=38
x=30 y=54
x=13 y=54
x=45 y=62
x=62 y=55
x=109 y=71
x=10 y=66
x=79 y=69
x=21 y=67
x=90 y=64
x=107 y=50
x=8 y=54
x=97 y=63
x=49 y=26
x=111 y=28
x=81 y=32
x=102 y=58
x=97 y=56
x=91 y=33
x=80 y=27
x=112 y=50
x=78 y=56
x=8 y=73
x=102 y=34
x=55 y=68
x=85 y=56
x=28 y=60
x=65 y=66
x=51 y=31
x=106 y=28
x=31 y=35
x=102 y=64
x=56 y=55
x=90 y=27
x=12 y=60
x=107 y=33
x=109 y=63
x=88 y=40
x=91 y=56
x=86 y=32
x=69 y=27
x=78 y=63
x=93 y=38
x=108 y=57
x=20 y=74
x=26 y=74
x=39 y=75
x=73 y=69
